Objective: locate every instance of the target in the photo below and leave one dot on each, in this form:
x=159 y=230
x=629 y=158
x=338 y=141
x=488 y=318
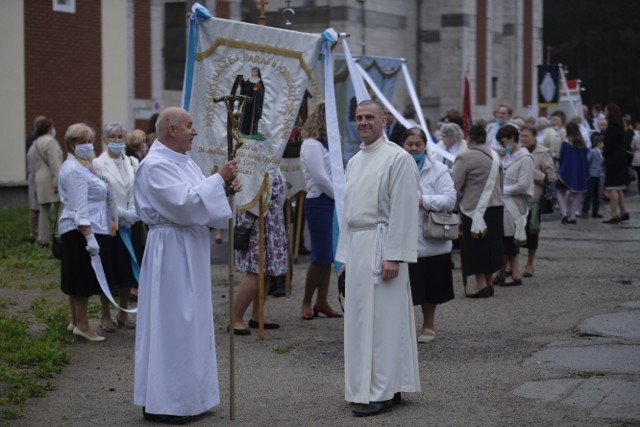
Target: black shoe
x=278 y=293
x=397 y=398
x=168 y=419
x=514 y=282
x=243 y=331
x=276 y=289
x=482 y=293
x=373 y=408
x=255 y=325
x=492 y=291
x=564 y=220
x=304 y=251
x=571 y=221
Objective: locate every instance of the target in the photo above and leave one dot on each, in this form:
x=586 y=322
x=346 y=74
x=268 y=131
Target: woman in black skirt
x=88 y=219
x=430 y=277
x=478 y=178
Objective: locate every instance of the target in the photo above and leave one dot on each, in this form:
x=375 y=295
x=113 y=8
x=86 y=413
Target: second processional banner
x=276 y=66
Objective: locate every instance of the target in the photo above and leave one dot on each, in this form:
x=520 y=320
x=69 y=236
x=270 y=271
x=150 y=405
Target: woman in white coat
x=431 y=279
x=119 y=171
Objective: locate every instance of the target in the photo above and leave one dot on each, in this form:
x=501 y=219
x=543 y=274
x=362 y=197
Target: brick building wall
x=63 y=64
x=142 y=54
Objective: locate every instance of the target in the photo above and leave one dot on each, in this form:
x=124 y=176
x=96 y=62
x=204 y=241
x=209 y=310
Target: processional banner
x=383 y=71
x=276 y=66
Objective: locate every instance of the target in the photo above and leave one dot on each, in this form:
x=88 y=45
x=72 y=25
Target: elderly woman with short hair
x=452 y=141
x=119 y=171
x=87 y=220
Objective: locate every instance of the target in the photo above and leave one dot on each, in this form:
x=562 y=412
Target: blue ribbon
x=125 y=235
x=199 y=12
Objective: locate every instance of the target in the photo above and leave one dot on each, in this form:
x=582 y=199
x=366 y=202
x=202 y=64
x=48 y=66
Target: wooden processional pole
x=233 y=132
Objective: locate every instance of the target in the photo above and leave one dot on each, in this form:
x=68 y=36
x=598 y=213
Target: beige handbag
x=441 y=225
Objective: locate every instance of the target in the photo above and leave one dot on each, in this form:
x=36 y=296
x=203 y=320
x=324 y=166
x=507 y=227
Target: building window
x=175 y=44
x=67 y=6
x=494 y=87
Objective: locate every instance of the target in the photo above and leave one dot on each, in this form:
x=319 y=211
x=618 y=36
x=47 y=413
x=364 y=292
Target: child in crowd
x=595 y=159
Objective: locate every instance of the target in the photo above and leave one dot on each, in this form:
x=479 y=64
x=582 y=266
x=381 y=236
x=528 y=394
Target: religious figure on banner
x=254 y=88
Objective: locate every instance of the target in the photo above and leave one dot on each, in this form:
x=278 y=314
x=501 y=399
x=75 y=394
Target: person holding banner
x=319 y=209
x=176 y=377
x=377 y=240
x=88 y=218
x=119 y=170
x=275 y=255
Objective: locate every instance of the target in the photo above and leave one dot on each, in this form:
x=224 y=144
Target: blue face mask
x=115 y=147
x=84 y=151
x=419 y=158
x=508 y=149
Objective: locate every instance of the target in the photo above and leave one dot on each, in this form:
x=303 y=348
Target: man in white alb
x=377 y=239
x=176 y=377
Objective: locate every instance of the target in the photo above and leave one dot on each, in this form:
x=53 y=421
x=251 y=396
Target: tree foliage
x=599 y=42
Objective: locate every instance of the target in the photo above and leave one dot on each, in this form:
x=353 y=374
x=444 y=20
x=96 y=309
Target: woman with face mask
x=517 y=192
x=87 y=220
x=119 y=171
x=430 y=278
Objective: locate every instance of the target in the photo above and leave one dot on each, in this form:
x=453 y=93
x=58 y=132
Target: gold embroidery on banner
x=254 y=46
x=259 y=196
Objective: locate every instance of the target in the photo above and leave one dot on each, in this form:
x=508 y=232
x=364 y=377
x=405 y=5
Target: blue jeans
x=592 y=194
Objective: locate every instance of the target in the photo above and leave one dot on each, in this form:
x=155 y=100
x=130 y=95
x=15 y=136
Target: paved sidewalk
x=563 y=349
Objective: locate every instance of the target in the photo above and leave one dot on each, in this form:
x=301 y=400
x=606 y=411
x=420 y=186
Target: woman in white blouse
x=318 y=206
x=87 y=220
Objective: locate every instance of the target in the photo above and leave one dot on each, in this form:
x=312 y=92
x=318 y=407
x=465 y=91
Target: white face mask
x=115 y=147
x=84 y=151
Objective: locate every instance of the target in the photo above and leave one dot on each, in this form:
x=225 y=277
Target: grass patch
x=282 y=348
x=20 y=260
x=33 y=342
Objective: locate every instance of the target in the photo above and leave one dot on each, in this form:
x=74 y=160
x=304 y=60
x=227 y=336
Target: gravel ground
x=468 y=373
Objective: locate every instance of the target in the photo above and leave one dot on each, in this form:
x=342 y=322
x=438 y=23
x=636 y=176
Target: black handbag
x=548 y=197
x=242 y=236
x=56 y=241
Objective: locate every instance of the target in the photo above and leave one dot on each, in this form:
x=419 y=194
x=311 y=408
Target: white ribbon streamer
x=104 y=285
x=356 y=79
x=333 y=132
x=432 y=146
x=416 y=104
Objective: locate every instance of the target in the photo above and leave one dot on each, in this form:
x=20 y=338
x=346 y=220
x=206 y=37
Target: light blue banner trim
x=199 y=13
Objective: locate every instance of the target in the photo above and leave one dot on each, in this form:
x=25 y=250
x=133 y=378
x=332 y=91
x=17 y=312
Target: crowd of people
x=136 y=195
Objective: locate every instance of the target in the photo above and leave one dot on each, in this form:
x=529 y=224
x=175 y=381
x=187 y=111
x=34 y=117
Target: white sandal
x=427 y=335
